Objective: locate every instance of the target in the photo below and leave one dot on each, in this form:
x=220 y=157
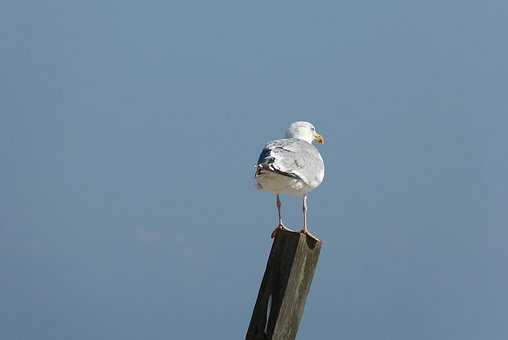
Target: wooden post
x=285 y=286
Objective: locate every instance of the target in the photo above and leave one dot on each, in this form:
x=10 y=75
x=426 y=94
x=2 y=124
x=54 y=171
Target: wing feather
x=294 y=158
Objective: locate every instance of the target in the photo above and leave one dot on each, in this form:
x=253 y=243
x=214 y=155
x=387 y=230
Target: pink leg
x=305 y=229
x=281 y=225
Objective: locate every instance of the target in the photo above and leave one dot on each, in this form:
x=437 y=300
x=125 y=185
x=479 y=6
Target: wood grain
x=285 y=286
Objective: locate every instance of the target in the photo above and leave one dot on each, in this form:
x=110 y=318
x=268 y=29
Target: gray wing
x=295 y=158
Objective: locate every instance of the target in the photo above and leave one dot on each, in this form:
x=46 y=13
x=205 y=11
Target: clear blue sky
x=128 y=135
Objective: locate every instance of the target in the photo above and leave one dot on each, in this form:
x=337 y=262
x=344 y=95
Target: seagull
x=291 y=165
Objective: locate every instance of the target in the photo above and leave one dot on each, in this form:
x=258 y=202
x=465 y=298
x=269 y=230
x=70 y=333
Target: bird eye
x=313 y=128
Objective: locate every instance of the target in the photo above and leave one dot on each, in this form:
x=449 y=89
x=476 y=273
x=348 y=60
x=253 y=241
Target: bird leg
x=281 y=225
x=305 y=229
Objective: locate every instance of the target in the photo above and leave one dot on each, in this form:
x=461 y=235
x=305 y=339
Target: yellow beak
x=319 y=139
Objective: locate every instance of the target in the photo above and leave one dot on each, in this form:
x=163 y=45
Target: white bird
x=291 y=166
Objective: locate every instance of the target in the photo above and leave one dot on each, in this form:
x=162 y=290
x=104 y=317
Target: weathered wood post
x=285 y=286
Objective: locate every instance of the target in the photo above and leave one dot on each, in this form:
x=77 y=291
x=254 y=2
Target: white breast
x=280 y=184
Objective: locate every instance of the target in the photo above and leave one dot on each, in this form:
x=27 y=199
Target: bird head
x=304 y=131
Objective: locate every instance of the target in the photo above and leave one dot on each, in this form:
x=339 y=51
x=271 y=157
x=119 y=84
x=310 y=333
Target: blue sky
x=128 y=135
